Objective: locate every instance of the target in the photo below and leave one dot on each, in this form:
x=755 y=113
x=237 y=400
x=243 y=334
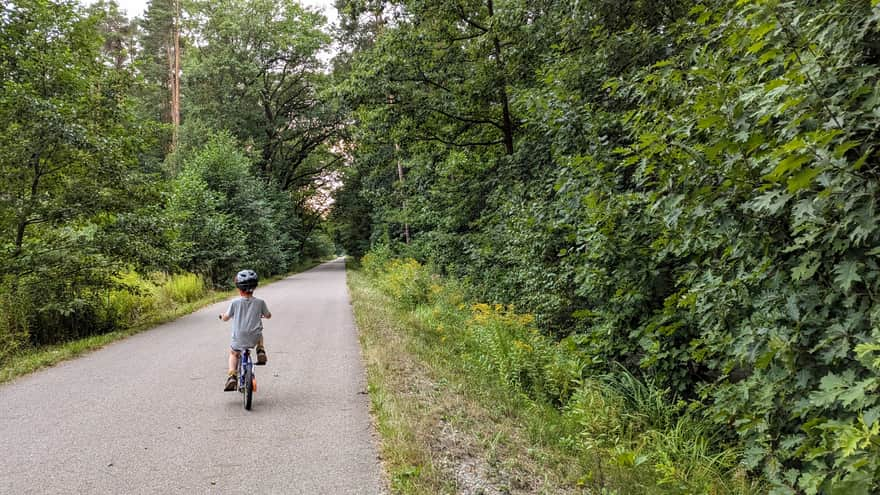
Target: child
x=247 y=328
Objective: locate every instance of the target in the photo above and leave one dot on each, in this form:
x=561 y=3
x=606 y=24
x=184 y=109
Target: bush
x=135 y=298
x=183 y=288
x=406 y=280
x=375 y=262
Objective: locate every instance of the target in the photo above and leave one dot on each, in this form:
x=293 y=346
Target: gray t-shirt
x=247 y=327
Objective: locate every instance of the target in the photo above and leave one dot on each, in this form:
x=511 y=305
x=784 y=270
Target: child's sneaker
x=231 y=383
x=261 y=356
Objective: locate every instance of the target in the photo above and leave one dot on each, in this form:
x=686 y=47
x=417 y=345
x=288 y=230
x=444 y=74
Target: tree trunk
x=507 y=120
x=23 y=221
x=400 y=176
x=175 y=77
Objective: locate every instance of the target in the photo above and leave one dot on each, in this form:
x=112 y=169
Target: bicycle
x=247 y=382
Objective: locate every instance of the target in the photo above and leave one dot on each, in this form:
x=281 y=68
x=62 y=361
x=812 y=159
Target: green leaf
x=788 y=165
x=830 y=387
x=857 y=392
x=753 y=456
x=802 y=180
x=847 y=274
x=848 y=440
x=861 y=161
x=759 y=32
x=842 y=148
x=770 y=202
x=871 y=416
x=811 y=481
x=765 y=359
x=756 y=47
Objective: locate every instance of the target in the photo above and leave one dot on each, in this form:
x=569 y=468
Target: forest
x=686 y=190
x=119 y=176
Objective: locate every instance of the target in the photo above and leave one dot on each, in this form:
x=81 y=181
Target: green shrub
x=511 y=347
x=599 y=414
x=406 y=280
x=135 y=298
x=374 y=262
x=183 y=288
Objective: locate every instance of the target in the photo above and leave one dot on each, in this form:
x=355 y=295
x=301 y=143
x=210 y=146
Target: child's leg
x=233 y=361
x=231 y=380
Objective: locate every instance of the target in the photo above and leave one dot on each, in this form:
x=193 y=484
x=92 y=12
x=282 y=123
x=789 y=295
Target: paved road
x=148 y=414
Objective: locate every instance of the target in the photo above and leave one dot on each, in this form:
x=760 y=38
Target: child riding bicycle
x=246 y=313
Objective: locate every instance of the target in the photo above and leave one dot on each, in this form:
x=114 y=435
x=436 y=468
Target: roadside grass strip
x=471 y=398
x=441 y=431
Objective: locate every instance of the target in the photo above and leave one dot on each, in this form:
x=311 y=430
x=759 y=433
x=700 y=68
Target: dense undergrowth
x=628 y=434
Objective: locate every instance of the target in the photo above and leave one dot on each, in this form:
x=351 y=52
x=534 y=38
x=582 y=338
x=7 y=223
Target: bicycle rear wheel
x=248 y=395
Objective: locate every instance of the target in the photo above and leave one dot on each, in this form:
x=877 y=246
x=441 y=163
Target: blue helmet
x=247 y=280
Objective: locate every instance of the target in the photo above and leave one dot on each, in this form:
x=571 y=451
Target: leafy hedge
x=748 y=277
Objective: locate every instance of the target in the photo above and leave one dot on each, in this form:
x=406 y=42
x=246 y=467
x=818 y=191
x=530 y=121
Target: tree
x=691 y=192
x=118 y=33
x=159 y=62
x=261 y=81
x=431 y=82
x=67 y=169
x=228 y=217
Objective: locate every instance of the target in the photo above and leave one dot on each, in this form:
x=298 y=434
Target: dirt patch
x=472 y=474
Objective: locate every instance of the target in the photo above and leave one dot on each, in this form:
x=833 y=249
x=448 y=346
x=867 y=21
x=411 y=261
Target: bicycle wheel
x=248 y=395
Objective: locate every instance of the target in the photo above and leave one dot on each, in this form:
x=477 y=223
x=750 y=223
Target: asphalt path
x=148 y=414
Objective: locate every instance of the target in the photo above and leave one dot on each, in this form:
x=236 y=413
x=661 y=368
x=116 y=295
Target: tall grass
x=132 y=300
x=183 y=288
x=629 y=434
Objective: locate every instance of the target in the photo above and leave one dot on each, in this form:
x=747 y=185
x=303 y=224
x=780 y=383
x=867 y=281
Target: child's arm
x=265 y=313
x=229 y=312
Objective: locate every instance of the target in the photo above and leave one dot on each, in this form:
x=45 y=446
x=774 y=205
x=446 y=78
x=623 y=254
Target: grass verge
x=29 y=360
x=471 y=398
x=440 y=431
